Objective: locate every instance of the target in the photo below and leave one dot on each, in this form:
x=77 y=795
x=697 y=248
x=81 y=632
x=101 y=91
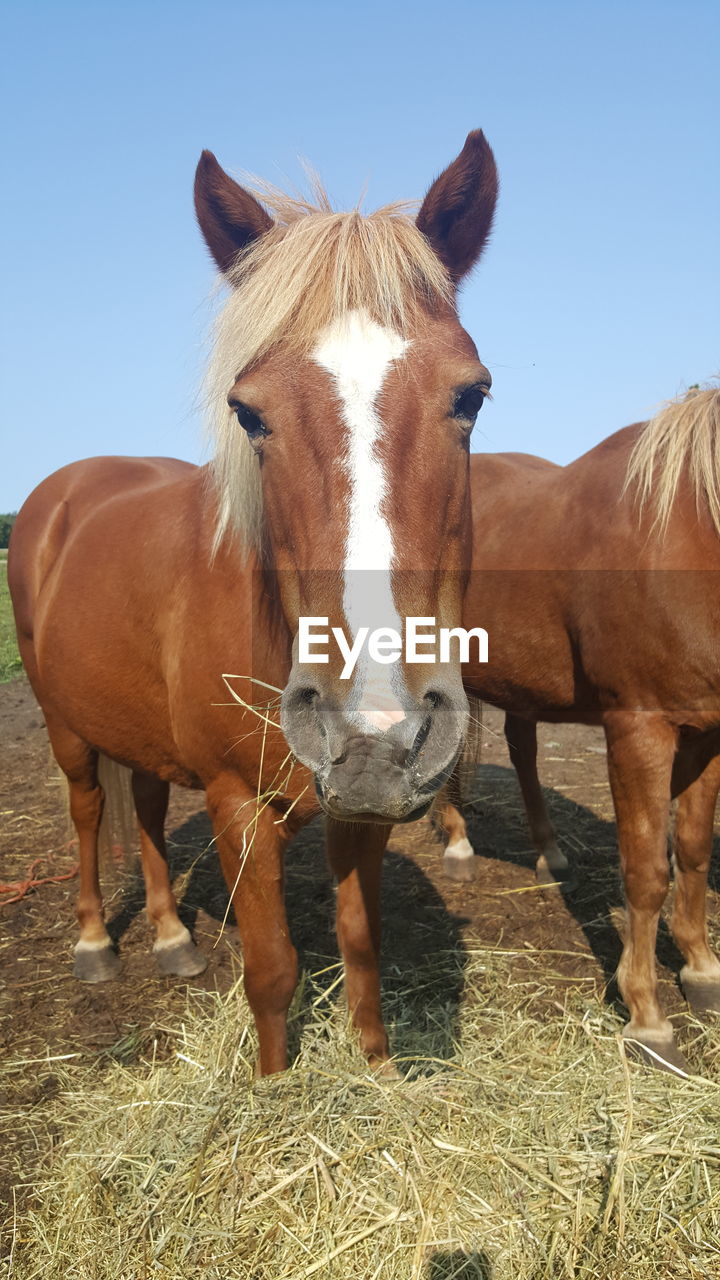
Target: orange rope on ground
x=20 y=888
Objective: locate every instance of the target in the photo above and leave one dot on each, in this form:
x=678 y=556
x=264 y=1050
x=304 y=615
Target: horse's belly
x=544 y=696
x=530 y=672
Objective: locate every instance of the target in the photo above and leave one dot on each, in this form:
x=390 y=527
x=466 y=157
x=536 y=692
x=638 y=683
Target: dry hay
x=536 y=1152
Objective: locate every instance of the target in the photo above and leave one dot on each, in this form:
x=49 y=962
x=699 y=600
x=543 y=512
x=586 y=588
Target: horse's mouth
x=367 y=815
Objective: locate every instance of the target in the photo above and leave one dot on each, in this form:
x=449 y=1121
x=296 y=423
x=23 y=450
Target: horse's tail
x=118 y=830
x=683 y=438
x=471 y=757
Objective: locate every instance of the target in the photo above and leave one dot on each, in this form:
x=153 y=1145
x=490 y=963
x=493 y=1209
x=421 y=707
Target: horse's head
x=352 y=391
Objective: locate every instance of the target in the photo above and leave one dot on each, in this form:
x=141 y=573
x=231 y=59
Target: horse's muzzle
x=379 y=776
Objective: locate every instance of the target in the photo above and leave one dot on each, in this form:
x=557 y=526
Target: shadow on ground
x=497 y=828
x=424 y=955
x=423 y=963
x=459 y=1266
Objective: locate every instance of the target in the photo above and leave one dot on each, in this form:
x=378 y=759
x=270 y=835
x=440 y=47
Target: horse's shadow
x=423 y=954
x=423 y=959
x=593 y=890
x=459 y=1265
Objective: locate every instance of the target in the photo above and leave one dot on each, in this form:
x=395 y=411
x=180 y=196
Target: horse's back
x=82 y=487
x=510 y=492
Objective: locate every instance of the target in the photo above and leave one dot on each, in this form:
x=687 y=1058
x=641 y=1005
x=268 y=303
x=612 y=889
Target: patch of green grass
x=10 y=664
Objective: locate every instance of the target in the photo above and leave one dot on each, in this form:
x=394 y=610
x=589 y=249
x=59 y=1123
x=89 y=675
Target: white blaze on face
x=358 y=353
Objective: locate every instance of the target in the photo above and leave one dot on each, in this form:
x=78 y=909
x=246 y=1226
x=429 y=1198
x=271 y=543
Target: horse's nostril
x=434 y=698
x=307 y=696
x=418 y=744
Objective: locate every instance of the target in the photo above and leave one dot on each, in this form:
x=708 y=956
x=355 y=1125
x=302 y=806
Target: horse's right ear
x=230 y=218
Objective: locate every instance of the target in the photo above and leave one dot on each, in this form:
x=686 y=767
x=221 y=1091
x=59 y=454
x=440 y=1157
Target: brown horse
x=598 y=585
x=344 y=391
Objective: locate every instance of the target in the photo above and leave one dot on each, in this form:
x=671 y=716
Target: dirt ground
x=44 y=1012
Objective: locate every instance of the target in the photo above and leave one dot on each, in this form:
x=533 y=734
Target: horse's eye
x=469 y=402
x=249 y=421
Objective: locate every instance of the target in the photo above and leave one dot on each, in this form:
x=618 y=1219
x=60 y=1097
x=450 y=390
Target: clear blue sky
x=599 y=294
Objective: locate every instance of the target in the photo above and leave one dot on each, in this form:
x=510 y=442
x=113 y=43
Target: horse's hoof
x=702 y=994
x=459 y=861
x=96 y=964
x=660 y=1052
x=553 y=872
x=384 y=1069
x=181 y=960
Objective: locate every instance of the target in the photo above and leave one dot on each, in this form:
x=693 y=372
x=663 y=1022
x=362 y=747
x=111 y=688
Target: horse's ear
x=457 y=212
x=230 y=218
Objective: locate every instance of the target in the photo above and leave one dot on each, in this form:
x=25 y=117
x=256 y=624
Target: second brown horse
x=599 y=586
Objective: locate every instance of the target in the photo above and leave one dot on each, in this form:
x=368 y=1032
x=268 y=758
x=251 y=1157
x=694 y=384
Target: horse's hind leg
x=174 y=949
x=692 y=847
x=459 y=855
x=95 y=958
x=521 y=738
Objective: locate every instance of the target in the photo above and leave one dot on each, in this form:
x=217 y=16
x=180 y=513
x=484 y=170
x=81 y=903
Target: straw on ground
x=533 y=1152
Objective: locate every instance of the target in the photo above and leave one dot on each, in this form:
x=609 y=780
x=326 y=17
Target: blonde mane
x=683 y=437
x=312 y=267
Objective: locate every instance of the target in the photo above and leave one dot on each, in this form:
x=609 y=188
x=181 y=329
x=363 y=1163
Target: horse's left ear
x=230 y=217
x=457 y=212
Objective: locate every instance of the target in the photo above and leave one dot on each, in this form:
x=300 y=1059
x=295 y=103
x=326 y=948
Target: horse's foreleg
x=521 y=738
x=251 y=854
x=641 y=747
x=95 y=958
x=355 y=854
x=692 y=847
x=174 y=949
